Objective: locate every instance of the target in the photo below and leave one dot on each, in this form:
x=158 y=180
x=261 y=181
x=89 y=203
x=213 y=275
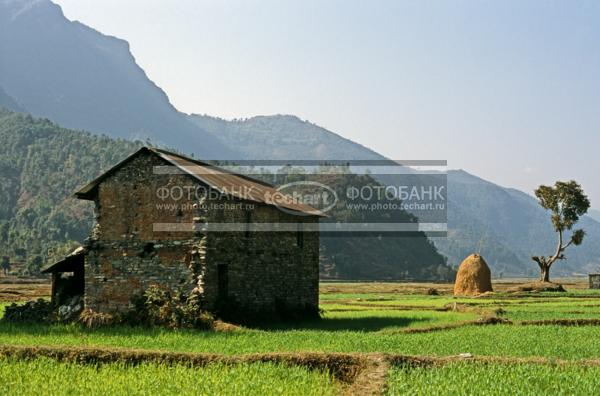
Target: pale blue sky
x=508 y=90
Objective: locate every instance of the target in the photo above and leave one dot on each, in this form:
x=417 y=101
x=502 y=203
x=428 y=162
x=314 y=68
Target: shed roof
x=220 y=179
x=71 y=263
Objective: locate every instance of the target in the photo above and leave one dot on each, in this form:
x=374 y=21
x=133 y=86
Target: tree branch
x=559 y=249
x=541 y=261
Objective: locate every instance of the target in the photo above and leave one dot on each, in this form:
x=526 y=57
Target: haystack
x=473 y=277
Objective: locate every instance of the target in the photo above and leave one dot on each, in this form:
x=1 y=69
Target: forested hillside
x=41 y=165
x=348 y=255
x=507 y=226
x=284 y=137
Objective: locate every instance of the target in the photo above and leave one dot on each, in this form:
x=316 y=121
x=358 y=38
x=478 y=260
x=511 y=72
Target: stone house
x=168 y=220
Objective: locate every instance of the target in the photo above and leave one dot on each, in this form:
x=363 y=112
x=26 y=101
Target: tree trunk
x=545 y=273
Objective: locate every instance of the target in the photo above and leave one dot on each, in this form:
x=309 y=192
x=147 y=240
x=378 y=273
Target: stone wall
x=265 y=269
x=126 y=253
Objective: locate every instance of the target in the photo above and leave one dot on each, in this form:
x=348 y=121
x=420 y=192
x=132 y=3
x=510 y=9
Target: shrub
x=92 y=319
x=39 y=310
x=164 y=307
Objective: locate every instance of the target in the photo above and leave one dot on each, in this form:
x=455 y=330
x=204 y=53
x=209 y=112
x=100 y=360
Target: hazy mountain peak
x=277 y=117
x=287 y=136
x=82 y=79
x=18 y=8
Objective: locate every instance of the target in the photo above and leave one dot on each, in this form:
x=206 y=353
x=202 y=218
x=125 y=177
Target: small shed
x=67 y=276
x=594 y=281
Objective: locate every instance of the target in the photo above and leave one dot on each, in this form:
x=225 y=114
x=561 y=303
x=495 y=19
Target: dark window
x=300 y=239
x=223 y=280
x=147 y=250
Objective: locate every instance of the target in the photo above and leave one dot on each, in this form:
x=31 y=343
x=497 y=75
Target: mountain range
x=506 y=225
x=594 y=214
x=41 y=164
x=81 y=79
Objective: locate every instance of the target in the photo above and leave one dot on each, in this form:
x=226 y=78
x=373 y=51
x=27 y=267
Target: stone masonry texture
x=126 y=255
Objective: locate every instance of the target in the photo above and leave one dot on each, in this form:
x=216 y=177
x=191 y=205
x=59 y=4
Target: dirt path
x=372 y=379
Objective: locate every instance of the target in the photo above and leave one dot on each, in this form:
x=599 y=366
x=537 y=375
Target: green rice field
x=45 y=376
x=559 y=355
x=494 y=379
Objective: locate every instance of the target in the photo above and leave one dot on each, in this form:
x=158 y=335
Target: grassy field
x=33 y=377
x=392 y=319
x=494 y=379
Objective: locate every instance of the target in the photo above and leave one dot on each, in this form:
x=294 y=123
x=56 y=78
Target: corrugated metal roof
x=222 y=180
